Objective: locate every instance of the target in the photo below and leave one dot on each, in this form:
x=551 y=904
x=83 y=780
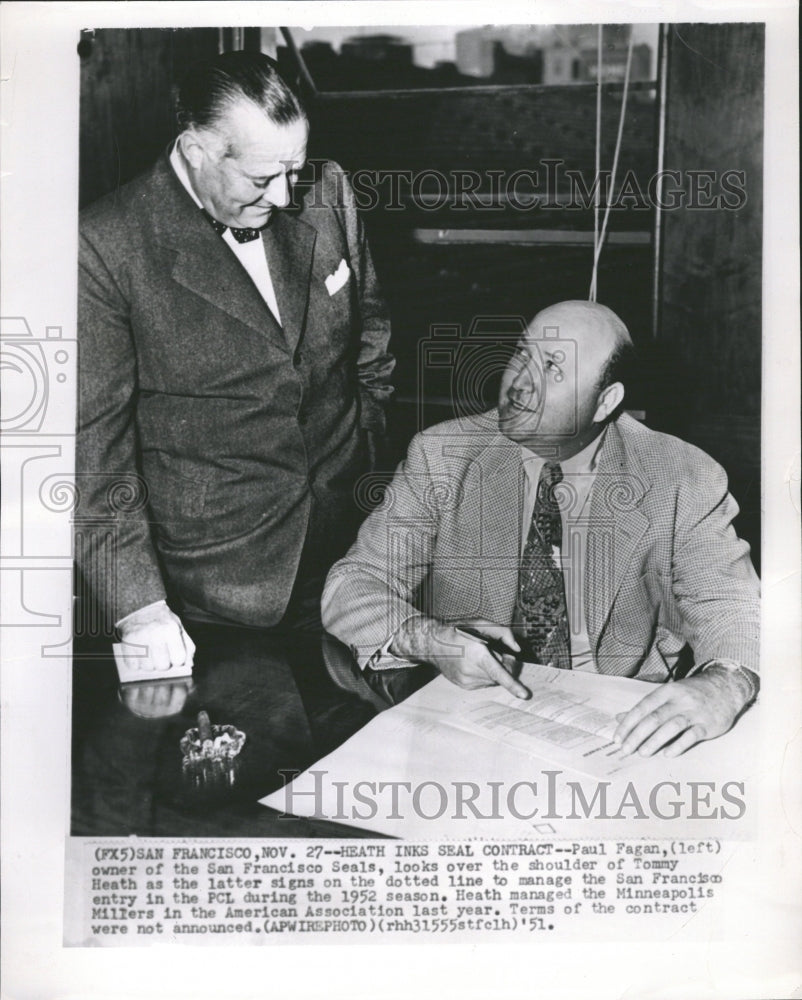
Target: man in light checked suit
x=654 y=576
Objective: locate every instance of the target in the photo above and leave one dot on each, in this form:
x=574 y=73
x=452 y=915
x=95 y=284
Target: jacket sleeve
x=374 y=361
x=113 y=549
x=373 y=589
x=714 y=583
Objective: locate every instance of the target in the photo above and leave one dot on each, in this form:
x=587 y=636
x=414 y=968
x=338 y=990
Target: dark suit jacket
x=205 y=429
x=663 y=566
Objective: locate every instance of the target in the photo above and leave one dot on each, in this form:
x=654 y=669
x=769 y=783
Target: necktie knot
x=244 y=235
x=552 y=475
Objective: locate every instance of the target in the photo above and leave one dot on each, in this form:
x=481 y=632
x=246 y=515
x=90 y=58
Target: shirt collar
x=180 y=170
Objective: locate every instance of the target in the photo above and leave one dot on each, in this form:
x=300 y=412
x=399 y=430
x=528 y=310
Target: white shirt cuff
x=135 y=614
x=383 y=659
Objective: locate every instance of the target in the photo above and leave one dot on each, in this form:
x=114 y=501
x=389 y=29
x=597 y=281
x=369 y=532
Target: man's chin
x=256 y=220
x=531 y=438
x=516 y=424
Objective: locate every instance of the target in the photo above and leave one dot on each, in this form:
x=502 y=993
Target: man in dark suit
x=557 y=529
x=233 y=372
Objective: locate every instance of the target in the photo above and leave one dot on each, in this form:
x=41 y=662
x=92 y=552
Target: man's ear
x=609 y=401
x=191 y=145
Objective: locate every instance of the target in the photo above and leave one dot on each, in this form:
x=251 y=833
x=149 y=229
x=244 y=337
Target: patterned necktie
x=240 y=235
x=541 y=615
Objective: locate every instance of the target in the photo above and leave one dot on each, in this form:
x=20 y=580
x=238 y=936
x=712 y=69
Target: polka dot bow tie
x=240 y=235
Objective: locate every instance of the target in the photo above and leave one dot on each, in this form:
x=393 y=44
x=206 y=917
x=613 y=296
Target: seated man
x=558 y=530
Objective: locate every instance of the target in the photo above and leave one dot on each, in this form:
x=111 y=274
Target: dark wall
x=127 y=107
x=506 y=129
x=710 y=331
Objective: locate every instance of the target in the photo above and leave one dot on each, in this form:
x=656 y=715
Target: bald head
x=589 y=323
x=556 y=393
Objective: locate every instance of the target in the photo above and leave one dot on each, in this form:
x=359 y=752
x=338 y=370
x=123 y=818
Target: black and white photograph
x=401 y=499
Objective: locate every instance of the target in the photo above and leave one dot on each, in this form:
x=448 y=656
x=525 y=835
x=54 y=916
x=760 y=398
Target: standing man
x=558 y=530
x=233 y=368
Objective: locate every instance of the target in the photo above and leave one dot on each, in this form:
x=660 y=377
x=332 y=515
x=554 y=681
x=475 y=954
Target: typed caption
x=137 y=892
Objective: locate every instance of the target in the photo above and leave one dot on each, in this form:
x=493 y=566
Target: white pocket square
x=335 y=281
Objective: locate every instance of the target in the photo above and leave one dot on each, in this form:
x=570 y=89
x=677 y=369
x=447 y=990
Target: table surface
x=128 y=775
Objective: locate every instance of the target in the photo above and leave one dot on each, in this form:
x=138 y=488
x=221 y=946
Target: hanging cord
x=599 y=243
x=597 y=199
x=304 y=76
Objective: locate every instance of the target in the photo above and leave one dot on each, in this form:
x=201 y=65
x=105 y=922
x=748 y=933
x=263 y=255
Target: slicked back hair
x=211 y=88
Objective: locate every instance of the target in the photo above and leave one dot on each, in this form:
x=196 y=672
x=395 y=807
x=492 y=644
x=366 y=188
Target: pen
x=497 y=650
x=496 y=646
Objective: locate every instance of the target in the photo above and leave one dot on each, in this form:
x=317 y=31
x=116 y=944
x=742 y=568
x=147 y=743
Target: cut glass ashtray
x=208 y=742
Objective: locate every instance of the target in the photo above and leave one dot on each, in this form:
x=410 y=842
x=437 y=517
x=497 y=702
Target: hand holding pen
x=475 y=654
x=503 y=647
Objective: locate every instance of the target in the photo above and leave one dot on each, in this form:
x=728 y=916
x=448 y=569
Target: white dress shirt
x=251 y=255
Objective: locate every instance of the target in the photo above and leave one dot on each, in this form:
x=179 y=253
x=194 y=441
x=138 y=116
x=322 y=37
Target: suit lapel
x=204 y=264
x=217 y=276
x=616 y=527
x=289 y=244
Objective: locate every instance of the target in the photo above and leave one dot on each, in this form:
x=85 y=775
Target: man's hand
x=153 y=642
x=464 y=659
x=686 y=712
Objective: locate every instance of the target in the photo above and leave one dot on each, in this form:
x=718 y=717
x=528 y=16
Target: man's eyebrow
x=551 y=355
x=287 y=166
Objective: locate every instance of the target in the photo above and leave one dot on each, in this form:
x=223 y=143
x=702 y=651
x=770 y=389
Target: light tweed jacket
x=663 y=566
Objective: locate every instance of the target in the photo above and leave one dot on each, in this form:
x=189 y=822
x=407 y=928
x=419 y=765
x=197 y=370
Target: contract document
x=569 y=720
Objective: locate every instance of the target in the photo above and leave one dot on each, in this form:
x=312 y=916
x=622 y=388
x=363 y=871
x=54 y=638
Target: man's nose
x=278 y=192
x=523 y=383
